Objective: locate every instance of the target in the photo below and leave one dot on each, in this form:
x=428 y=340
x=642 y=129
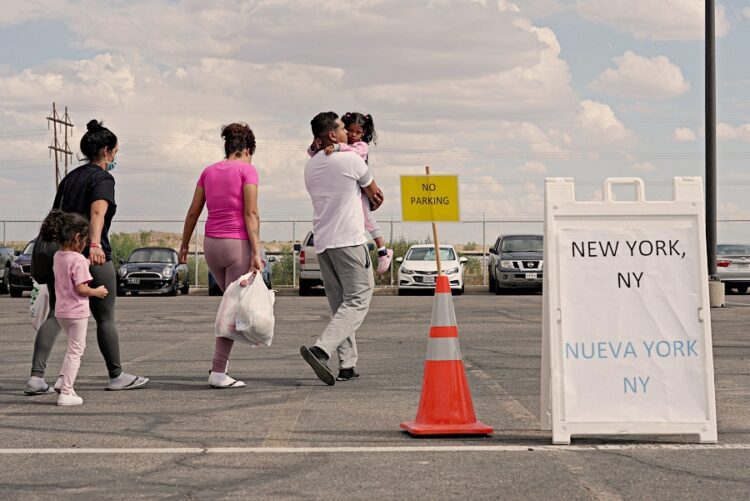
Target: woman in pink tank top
x=229 y=189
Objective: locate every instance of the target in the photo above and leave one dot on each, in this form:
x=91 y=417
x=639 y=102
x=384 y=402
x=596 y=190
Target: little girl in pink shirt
x=360 y=130
x=72 y=291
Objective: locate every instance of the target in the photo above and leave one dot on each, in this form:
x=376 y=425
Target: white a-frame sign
x=626 y=344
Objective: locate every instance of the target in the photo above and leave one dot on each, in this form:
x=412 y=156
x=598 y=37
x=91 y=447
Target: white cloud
x=600 y=126
x=655 y=20
x=542 y=8
x=533 y=166
x=16 y=12
x=643 y=166
x=684 y=135
x=729 y=132
x=642 y=78
x=105 y=79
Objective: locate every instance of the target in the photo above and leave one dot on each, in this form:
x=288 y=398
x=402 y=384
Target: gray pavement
x=284 y=408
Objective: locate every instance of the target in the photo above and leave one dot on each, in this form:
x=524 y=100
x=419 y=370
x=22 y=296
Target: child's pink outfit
x=371 y=224
x=72 y=311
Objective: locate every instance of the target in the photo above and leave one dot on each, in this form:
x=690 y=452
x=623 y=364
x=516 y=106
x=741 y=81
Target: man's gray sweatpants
x=347 y=278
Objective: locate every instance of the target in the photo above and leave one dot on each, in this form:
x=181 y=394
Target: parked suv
x=516 y=261
x=309 y=268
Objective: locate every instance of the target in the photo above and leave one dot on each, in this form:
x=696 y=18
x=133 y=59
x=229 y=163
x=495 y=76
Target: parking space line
x=382 y=449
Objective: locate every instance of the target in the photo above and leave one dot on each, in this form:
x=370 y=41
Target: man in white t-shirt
x=335 y=182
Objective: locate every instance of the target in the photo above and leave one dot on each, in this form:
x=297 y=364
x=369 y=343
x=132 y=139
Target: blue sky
x=502 y=93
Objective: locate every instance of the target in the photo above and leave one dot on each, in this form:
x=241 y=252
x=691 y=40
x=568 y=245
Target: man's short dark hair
x=323 y=123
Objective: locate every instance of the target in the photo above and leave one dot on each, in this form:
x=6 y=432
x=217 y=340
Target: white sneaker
x=37 y=386
x=65 y=399
x=221 y=380
x=58 y=385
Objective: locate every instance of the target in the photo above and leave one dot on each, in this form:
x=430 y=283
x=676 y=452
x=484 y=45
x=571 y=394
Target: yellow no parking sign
x=430 y=198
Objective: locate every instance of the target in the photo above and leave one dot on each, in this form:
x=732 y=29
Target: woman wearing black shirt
x=89 y=190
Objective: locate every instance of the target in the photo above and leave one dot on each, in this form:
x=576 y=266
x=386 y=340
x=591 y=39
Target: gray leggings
x=103 y=311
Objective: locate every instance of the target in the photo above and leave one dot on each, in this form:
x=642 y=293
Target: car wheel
x=499 y=291
x=402 y=292
x=15 y=292
x=185 y=290
x=214 y=291
x=493 y=285
x=304 y=288
x=120 y=293
x=459 y=292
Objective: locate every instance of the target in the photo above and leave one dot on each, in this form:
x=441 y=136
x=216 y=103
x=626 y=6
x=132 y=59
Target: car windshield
x=733 y=250
x=28 y=249
x=530 y=244
x=152 y=256
x=428 y=254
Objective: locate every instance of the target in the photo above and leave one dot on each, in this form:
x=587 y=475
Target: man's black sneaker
x=347 y=374
x=318 y=364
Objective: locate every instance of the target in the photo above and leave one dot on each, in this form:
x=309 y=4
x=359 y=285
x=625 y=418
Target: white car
x=418 y=268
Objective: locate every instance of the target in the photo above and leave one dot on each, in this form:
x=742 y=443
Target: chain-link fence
x=471 y=237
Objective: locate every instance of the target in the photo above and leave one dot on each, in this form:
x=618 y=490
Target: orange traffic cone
x=445 y=407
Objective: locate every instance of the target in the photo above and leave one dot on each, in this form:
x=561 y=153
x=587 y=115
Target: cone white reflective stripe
x=443 y=348
x=442 y=310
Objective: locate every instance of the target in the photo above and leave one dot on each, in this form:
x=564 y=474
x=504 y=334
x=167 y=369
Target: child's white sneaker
x=222 y=380
x=65 y=399
x=384 y=262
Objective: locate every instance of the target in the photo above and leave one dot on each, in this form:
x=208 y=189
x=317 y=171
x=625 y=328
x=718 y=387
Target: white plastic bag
x=227 y=314
x=39 y=306
x=255 y=320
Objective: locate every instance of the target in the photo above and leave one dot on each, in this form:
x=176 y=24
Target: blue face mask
x=111 y=165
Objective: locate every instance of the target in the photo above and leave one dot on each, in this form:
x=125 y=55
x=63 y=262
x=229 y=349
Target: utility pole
x=715 y=287
x=63 y=123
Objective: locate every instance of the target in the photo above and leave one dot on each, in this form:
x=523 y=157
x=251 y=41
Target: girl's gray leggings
x=103 y=311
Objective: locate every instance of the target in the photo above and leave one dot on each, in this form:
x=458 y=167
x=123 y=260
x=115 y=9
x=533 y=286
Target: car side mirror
x=463 y=260
x=399 y=260
x=297 y=247
x=271 y=259
x=492 y=250
x=17 y=253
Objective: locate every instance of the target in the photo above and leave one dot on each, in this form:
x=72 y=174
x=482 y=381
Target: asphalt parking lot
x=286 y=435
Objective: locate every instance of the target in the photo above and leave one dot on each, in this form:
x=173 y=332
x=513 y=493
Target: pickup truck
x=516 y=262
x=309 y=269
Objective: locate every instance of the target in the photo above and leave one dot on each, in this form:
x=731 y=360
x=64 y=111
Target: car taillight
x=723 y=263
x=301 y=257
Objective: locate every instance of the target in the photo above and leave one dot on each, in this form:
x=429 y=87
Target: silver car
x=733 y=266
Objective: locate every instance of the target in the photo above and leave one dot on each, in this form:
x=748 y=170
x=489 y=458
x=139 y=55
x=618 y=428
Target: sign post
x=445 y=407
x=626 y=344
